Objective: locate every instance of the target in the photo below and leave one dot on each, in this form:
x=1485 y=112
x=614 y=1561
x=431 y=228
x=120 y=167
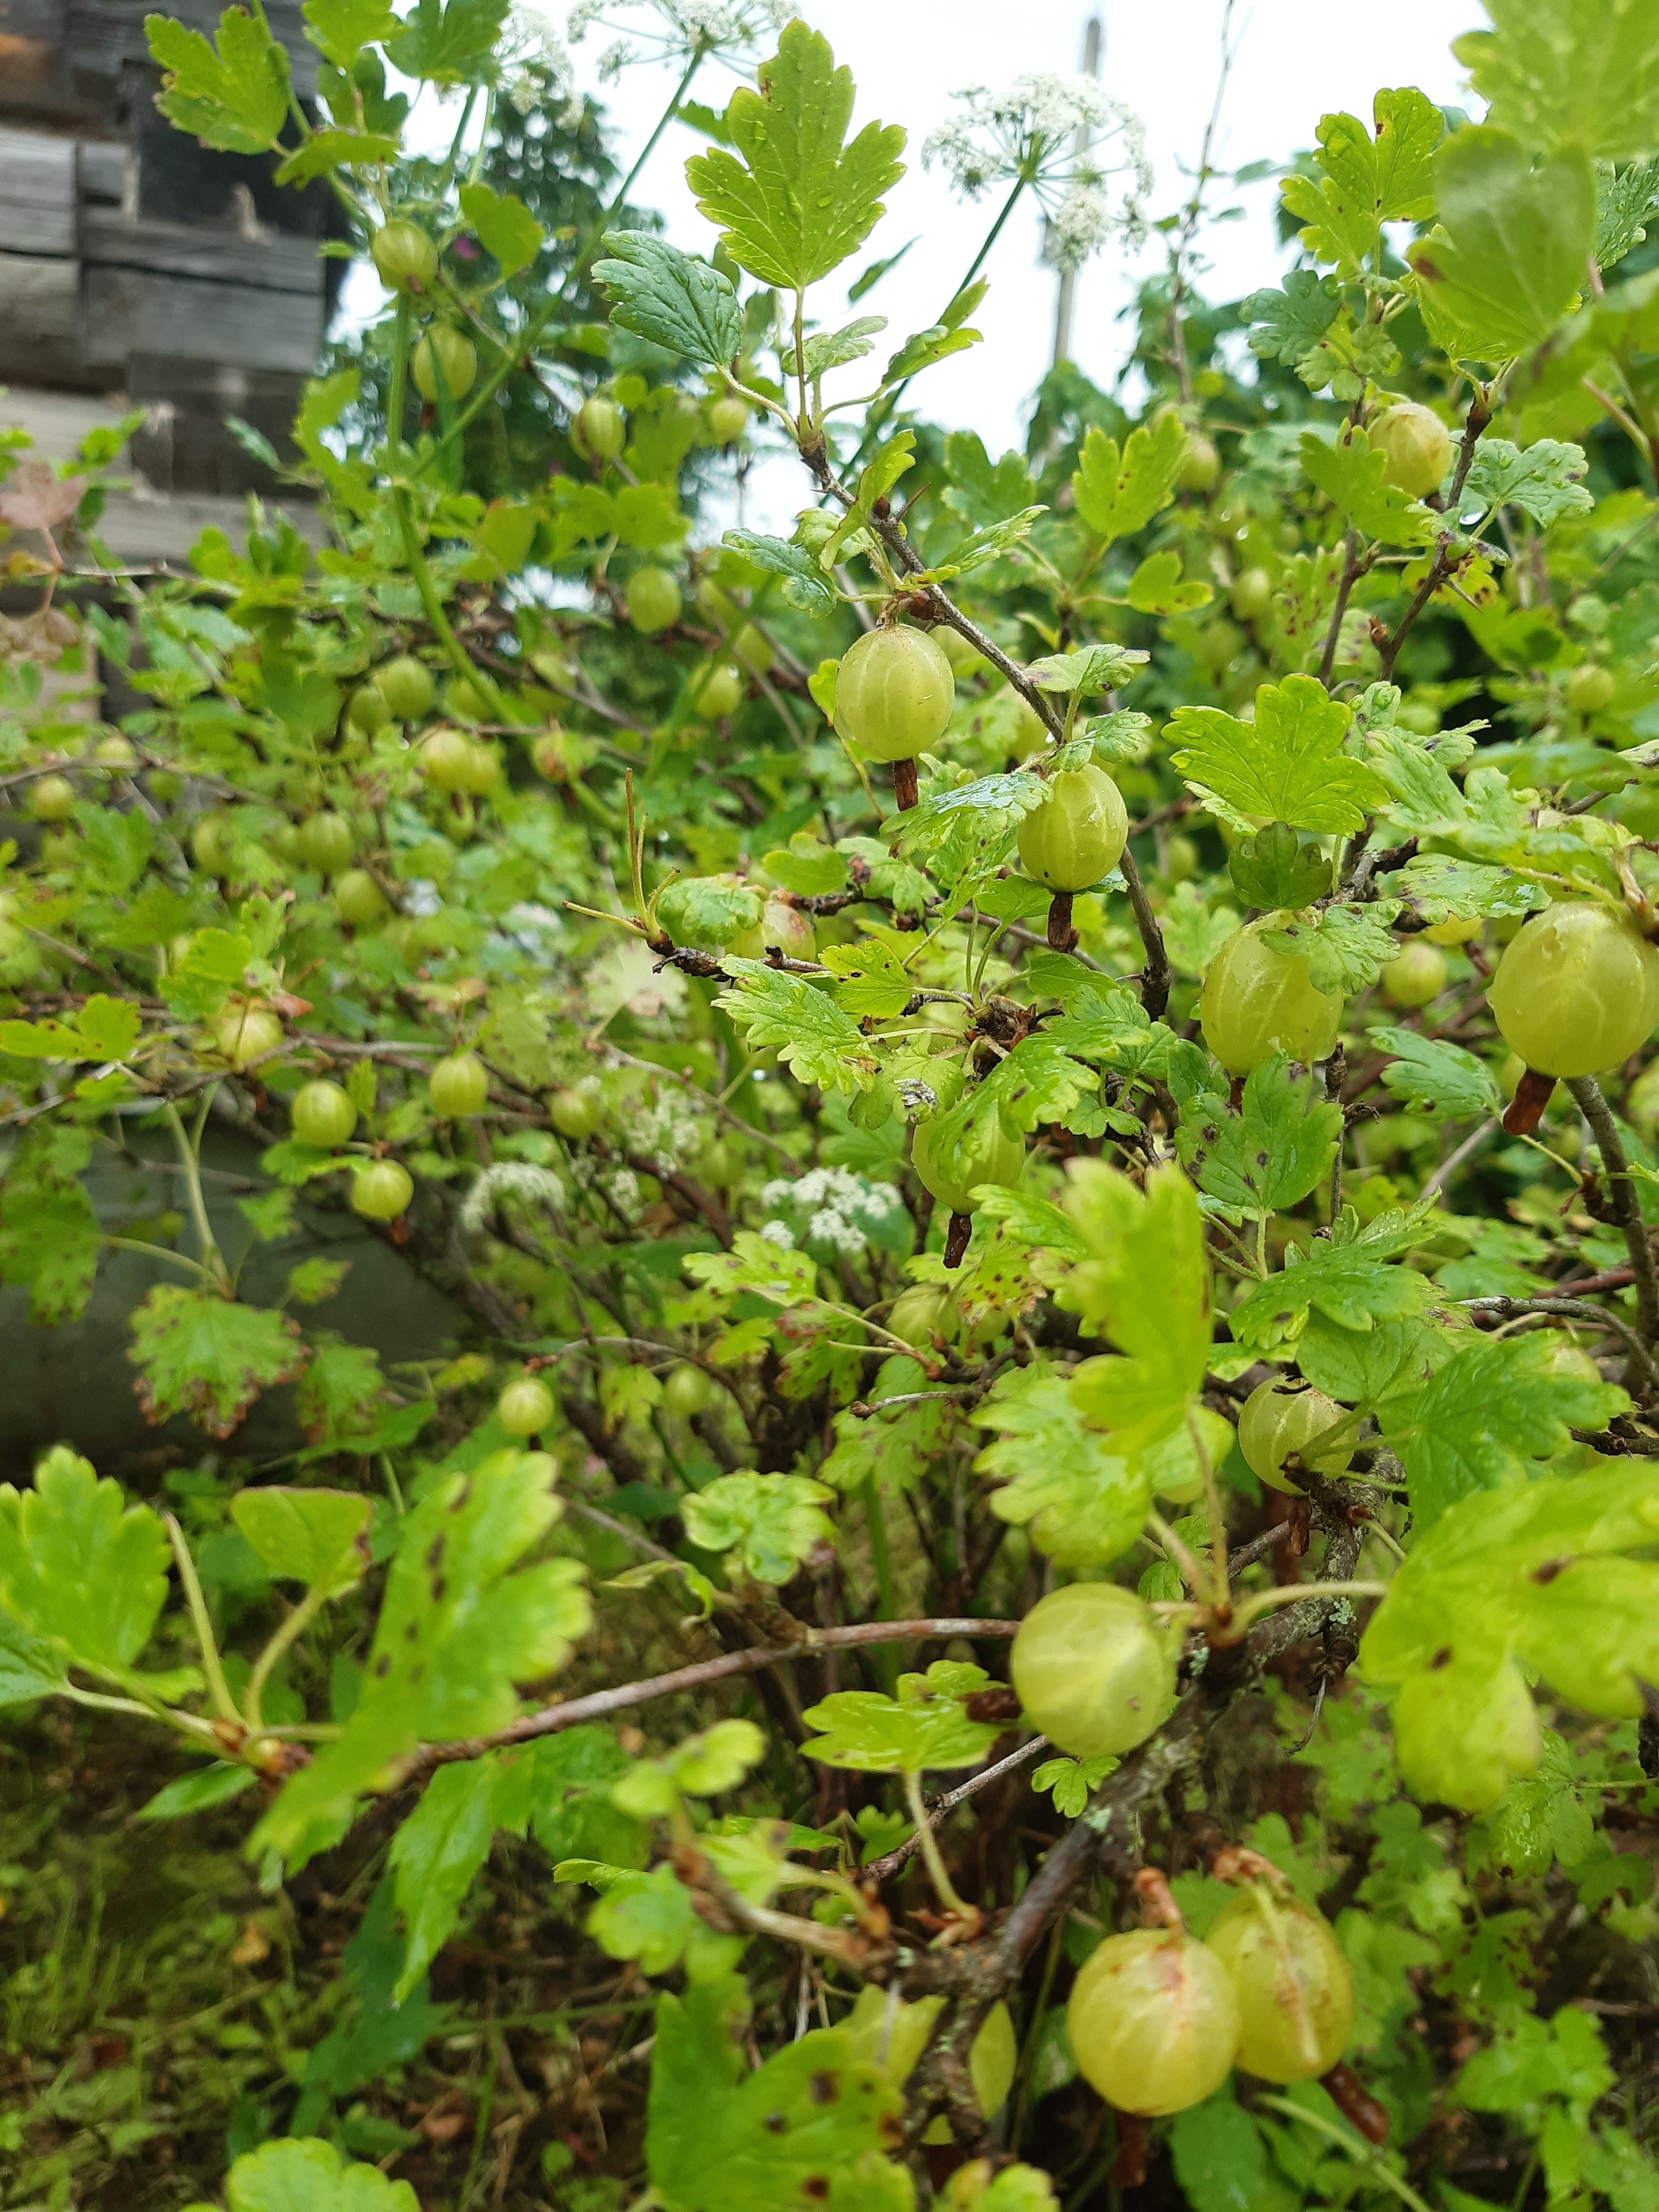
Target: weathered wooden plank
x=40 y=317
x=128 y=311
x=105 y=172
x=218 y=255
x=37 y=192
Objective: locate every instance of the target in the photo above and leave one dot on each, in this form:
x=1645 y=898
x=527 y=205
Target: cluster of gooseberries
x=1157 y=2017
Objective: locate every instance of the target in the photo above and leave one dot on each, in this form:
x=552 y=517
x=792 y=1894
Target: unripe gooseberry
x=323 y=1114
x=115 y=752
x=1578 y=990
x=458 y=1086
x=688 y=1391
x=481 y=770
x=1093 y=1669
x=380 y=1191
x=952 y=1170
x=1256 y=1001
x=366 y=710
x=1079 y=836
x=1416 y=447
x=1416 y=974
x=166 y=784
x=404 y=258
x=359 y=900
x=463 y=699
x=406 y=685
x=524 y=1406
x=1030 y=733
x=894 y=693
x=1294 y=1986
x=213 y=844
x=1180 y=857
x=327 y=842
x=1460 y=930
x=922 y=1312
x=718 y=691
x=1252 y=594
x=244 y=1034
x=574 y=1113
x=443 y=350
x=446 y=760
x=1217 y=643
x=894 y=2037
x=654 y=600
x=1276 y=1422
x=1153 y=2020
x=720 y=1164
x=1589 y=689
x=1642 y=1099
x=1200 y=464
x=1462 y=1735
x=53 y=798
x=783 y=925
x=964 y=655
x=596 y=430
x=727 y=421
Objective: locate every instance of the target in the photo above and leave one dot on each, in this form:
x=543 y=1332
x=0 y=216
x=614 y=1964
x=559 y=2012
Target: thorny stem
x=1251 y=1608
x=218 y=1689
x=1575 y=1309
x=1621 y=1191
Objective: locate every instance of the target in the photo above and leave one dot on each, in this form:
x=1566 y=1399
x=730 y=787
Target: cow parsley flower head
x=1082 y=153
x=674 y=31
x=833 y=1214
x=536 y=70
x=511 y=1179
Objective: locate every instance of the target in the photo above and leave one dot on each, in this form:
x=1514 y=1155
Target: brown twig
x=1626 y=1209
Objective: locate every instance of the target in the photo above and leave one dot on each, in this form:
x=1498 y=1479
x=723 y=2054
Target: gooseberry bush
x=1036 y=1570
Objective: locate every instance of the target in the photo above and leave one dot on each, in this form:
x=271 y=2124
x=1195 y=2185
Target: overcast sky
x=1296 y=59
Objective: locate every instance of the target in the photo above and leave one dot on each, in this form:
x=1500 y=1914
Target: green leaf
x=804 y=2131
x=568 y=1788
x=1288 y=764
x=1349 y=470
x=794 y=199
x=876 y=479
x=1361 y=1367
x=1156 y=587
x=1537 y=1574
x=305 y=2175
x=335 y=149
x=772 y=1521
x=1626 y=203
x=463 y=1619
x=1277 y=1148
x=1507 y=259
x=1219 y=2160
x=1288 y=325
x=871 y=980
x=1346 y=947
x=316 y=1537
x=925 y=1726
x=805 y=584
x=1343 y=1274
x=982 y=490
x=340 y=29
x=440 y=1849
x=1543 y=481
x=105 y=1029
x=1544 y=1821
x=1084 y=1502
x=809 y=1033
x=1146 y=1286
x=1578 y=72
x=756 y=1264
x=1446 y=1435
x=451 y=44
x=671 y=298
x=1275 y=870
x=208 y=1357
x=1116 y=491
x=651 y=1917
x=1093 y=668
x=808 y=867
x=1367 y=182
x=80 y=1568
x=49 y=1239
x=1427 y=1072
x=706 y=911
x=990 y=543
x=702 y=1766
x=827 y=350
x=29 y=1667
x=198 y=1792
x=235 y=99
x=504 y=227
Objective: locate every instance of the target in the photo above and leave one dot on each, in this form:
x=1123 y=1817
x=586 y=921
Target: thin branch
x=884 y=1869
x=1626 y=1209
x=1574 y=1310
x=1441 y=567
x=552 y=1719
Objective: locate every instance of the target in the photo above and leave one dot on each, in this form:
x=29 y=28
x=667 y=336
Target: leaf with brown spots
x=807 y=2129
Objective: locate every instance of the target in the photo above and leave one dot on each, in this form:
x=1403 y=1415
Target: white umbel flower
x=674 y=30
x=1027 y=134
x=512 y=1179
